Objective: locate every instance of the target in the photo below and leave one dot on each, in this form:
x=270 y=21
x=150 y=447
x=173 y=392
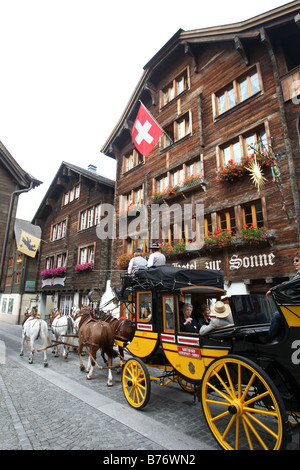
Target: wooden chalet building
x=14 y=181
x=73 y=260
x=226 y=97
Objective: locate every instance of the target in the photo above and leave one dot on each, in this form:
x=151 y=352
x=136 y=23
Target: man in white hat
x=156 y=258
x=223 y=318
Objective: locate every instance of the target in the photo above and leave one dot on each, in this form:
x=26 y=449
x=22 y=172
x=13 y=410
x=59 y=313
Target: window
x=162 y=183
x=231 y=152
x=132 y=159
x=50 y=262
x=3 y=307
x=144 y=306
x=89 y=217
x=177 y=130
x=193 y=168
x=86 y=254
x=168 y=313
x=135 y=197
x=207 y=225
x=236 y=92
x=177 y=177
x=58 y=230
x=253 y=214
x=248 y=86
x=243 y=145
x=71 y=195
x=61 y=260
x=175 y=88
x=56 y=261
x=226 y=220
x=255 y=141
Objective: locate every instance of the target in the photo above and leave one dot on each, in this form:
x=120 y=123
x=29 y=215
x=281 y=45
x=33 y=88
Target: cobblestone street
x=57 y=408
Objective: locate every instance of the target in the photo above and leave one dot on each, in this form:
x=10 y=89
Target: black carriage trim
x=175 y=278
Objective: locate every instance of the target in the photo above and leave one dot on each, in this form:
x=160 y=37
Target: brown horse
x=96 y=334
x=123 y=328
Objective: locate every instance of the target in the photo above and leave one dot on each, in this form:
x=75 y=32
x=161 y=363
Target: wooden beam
x=240 y=48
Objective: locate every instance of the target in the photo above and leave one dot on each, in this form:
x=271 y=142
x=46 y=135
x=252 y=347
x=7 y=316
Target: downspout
x=8 y=222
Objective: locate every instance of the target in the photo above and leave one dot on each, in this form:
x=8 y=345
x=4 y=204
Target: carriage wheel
x=242 y=406
x=136 y=383
x=185 y=385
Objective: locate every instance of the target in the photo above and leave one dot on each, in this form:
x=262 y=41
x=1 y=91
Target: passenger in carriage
x=187 y=322
x=223 y=318
x=205 y=315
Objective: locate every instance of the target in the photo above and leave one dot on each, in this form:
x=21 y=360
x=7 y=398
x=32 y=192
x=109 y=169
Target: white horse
x=62 y=325
x=33 y=328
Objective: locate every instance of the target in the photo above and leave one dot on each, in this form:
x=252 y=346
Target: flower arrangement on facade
x=133 y=208
x=178 y=246
x=123 y=260
x=54 y=272
x=220 y=237
x=83 y=267
x=253 y=235
x=233 y=171
x=171 y=190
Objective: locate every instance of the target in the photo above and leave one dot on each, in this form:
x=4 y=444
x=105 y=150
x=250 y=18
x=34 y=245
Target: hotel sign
x=235 y=262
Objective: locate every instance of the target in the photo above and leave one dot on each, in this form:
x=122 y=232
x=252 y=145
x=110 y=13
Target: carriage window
x=168 y=311
x=144 y=306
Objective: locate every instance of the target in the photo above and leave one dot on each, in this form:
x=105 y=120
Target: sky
x=69 y=68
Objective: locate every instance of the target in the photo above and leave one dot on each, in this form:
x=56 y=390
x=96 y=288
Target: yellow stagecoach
x=249 y=387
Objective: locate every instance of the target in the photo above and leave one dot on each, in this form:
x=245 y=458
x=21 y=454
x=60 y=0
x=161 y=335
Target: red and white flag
x=145 y=131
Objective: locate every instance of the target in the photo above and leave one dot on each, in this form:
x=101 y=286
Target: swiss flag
x=145 y=131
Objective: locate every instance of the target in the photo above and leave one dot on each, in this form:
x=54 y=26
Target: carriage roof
x=179 y=279
x=287 y=293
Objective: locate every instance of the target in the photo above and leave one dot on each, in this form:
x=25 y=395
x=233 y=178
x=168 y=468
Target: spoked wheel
x=185 y=385
x=242 y=406
x=136 y=383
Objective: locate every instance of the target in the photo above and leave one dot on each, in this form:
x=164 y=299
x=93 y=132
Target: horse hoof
x=82 y=368
x=88 y=378
x=21 y=354
x=46 y=364
x=109 y=385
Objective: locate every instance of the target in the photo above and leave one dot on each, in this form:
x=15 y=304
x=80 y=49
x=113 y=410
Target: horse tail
x=70 y=325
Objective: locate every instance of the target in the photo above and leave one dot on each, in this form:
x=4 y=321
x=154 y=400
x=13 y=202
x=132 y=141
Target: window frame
x=138 y=316
x=171 y=90
x=235 y=85
x=241 y=140
x=87 y=249
x=87 y=217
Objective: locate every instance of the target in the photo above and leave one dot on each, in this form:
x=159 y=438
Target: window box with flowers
x=220 y=238
x=233 y=171
x=255 y=235
x=79 y=268
x=54 y=272
x=178 y=246
x=189 y=183
x=131 y=211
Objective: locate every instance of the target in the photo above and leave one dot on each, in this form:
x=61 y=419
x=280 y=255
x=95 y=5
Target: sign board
x=94 y=296
x=30 y=286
